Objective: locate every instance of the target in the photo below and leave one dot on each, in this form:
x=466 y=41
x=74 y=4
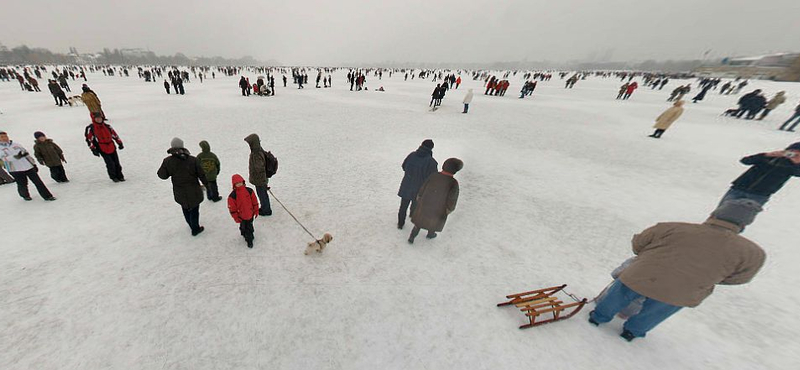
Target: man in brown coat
x=258 y=173
x=678 y=265
x=436 y=199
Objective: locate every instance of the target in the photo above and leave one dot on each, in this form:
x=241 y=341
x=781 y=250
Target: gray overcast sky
x=341 y=31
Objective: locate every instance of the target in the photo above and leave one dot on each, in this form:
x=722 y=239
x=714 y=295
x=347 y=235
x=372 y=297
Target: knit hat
x=452 y=165
x=428 y=143
x=3 y=133
x=795 y=146
x=176 y=143
x=38 y=134
x=741 y=212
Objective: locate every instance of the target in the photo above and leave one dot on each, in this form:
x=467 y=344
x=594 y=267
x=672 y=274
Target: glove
x=41 y=163
x=121 y=146
x=96 y=152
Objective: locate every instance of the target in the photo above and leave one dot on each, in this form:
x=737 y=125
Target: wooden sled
x=543 y=301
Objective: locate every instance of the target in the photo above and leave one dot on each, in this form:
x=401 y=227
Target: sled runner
x=543 y=301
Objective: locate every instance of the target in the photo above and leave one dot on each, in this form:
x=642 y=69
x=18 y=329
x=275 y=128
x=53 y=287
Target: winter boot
x=50 y=199
x=198 y=231
x=250 y=244
x=431 y=235
x=591 y=320
x=627 y=335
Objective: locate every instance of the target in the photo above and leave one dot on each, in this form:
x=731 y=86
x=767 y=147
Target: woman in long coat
x=667 y=118
x=436 y=199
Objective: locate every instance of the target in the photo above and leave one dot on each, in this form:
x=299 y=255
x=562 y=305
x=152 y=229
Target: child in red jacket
x=243 y=205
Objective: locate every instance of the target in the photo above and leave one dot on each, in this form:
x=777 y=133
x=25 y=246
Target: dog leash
x=290 y=214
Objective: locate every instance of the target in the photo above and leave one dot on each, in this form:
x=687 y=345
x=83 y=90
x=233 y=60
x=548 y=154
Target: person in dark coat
x=767 y=174
x=49 y=154
x=211 y=167
x=187 y=178
x=748 y=102
x=417 y=166
x=435 y=95
x=245 y=86
x=258 y=173
x=702 y=94
x=436 y=199
x=166 y=86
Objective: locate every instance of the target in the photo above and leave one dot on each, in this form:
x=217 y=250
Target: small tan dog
x=75 y=100
x=319 y=245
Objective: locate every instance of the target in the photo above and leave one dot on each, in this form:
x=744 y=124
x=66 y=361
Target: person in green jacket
x=210 y=165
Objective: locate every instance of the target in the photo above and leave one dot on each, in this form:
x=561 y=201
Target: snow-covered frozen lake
x=553 y=188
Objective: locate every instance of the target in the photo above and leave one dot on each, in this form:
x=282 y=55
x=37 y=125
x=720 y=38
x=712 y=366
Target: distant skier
x=417 y=167
x=187 y=178
x=19 y=163
x=767 y=174
x=679 y=264
x=437 y=198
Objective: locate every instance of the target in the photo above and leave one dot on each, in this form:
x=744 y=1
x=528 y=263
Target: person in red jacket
x=100 y=137
x=243 y=205
x=458 y=82
x=630 y=90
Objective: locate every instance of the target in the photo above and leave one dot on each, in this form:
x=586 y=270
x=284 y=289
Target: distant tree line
x=27 y=55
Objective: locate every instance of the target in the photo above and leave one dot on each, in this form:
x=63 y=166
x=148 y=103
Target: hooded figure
x=211 y=167
x=187 y=178
x=243 y=206
x=417 y=166
x=436 y=200
x=257 y=169
x=679 y=264
x=101 y=139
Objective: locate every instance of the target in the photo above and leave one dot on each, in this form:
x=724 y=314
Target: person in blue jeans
x=678 y=264
x=767 y=174
x=795 y=117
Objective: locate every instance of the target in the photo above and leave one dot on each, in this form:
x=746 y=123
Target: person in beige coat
x=91 y=101
x=678 y=264
x=667 y=118
x=773 y=103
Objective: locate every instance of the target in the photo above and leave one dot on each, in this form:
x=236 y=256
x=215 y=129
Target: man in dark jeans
x=767 y=174
x=187 y=176
x=417 y=166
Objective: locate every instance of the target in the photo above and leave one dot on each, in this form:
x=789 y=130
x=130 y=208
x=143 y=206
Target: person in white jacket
x=467 y=100
x=22 y=167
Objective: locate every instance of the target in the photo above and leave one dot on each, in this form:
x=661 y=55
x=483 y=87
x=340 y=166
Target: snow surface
x=553 y=188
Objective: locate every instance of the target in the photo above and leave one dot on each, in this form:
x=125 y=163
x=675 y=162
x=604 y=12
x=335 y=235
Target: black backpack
x=271 y=164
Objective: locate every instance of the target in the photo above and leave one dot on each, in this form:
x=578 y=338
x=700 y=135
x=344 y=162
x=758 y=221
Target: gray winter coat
x=258 y=162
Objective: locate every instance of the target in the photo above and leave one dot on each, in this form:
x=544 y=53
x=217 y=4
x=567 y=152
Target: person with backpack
x=262 y=165
x=187 y=178
x=767 y=174
x=211 y=167
x=436 y=199
x=417 y=167
x=49 y=154
x=101 y=137
x=243 y=205
x=19 y=163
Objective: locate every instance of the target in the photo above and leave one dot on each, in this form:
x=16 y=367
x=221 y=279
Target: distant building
x=134 y=53
x=778 y=67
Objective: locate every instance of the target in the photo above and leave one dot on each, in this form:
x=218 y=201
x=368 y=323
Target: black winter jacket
x=767 y=174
